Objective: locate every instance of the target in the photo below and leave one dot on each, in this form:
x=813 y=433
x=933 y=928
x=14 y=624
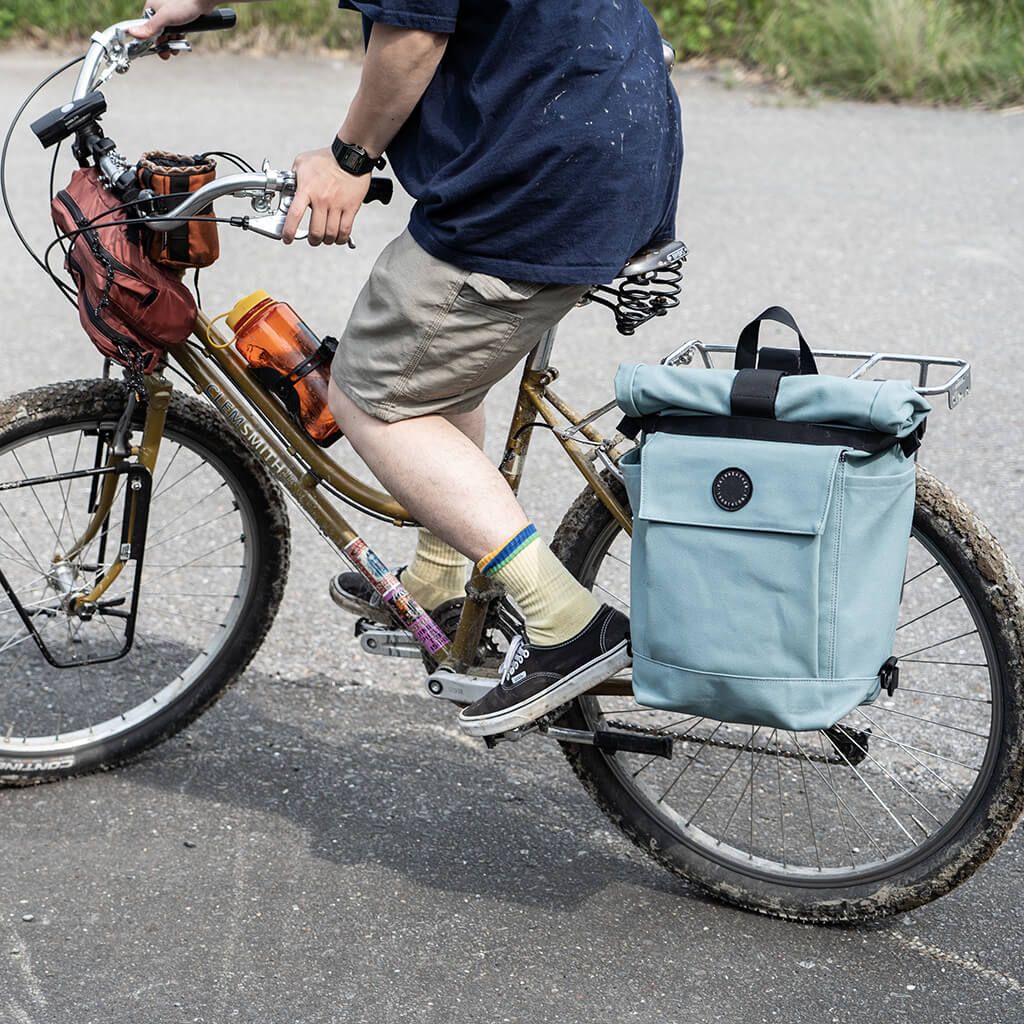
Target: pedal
x=457 y=687
x=389 y=643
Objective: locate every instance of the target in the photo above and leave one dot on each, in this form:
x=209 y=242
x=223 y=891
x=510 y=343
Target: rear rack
x=955 y=386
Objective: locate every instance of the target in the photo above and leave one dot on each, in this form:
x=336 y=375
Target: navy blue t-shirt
x=548 y=146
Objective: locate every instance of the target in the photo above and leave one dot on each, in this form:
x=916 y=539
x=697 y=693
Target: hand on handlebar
x=333 y=195
x=169 y=13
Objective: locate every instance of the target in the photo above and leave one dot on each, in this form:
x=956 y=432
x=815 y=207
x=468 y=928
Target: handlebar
x=258 y=186
x=119 y=47
x=113 y=51
x=215 y=21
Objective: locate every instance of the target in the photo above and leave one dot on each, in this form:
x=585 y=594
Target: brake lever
x=272 y=226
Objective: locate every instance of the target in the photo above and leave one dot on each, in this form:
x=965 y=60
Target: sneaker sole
x=584 y=678
x=357 y=607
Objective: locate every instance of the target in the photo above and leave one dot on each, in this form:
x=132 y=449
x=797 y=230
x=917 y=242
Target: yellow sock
x=553 y=604
x=437 y=573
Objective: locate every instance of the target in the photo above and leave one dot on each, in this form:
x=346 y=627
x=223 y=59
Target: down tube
x=303 y=487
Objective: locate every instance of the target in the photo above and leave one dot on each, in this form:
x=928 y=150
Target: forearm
x=398 y=68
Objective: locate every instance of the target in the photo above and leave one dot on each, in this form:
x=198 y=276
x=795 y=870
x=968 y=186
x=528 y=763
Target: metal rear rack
x=955 y=386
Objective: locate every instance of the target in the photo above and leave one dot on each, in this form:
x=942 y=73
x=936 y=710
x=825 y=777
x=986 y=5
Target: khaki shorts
x=426 y=337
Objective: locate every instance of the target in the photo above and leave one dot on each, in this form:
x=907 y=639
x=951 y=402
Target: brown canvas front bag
x=194 y=243
x=131 y=309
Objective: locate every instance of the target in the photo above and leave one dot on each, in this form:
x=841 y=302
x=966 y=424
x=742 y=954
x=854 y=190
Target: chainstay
x=733 y=745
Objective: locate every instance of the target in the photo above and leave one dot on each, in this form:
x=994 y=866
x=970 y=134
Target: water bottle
x=288 y=359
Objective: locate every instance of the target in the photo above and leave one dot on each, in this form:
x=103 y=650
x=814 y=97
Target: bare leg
x=438 y=472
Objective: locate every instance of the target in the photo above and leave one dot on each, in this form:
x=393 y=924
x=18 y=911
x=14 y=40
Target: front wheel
x=213 y=571
x=896 y=806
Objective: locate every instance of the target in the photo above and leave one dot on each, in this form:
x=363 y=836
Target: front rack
x=955 y=386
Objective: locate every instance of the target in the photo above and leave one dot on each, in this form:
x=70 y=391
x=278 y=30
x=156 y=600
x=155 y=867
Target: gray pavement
x=351 y=857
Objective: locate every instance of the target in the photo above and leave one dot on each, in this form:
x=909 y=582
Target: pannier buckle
x=889 y=676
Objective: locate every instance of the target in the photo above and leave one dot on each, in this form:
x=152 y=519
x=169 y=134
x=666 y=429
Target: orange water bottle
x=288 y=359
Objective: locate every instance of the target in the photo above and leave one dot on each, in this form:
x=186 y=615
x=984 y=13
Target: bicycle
x=144 y=548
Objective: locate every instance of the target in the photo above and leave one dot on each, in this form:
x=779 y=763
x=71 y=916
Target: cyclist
x=542 y=144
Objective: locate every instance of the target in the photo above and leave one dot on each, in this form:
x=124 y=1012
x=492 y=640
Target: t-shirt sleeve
x=428 y=15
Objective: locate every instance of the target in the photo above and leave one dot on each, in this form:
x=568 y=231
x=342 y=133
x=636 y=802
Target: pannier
x=772 y=512
x=130 y=308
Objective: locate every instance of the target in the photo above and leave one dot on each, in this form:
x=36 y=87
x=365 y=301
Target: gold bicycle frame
x=219 y=374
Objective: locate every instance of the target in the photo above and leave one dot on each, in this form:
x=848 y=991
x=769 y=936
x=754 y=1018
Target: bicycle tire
x=989 y=589
x=208 y=489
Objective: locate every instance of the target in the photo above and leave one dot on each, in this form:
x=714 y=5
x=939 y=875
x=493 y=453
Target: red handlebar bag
x=131 y=309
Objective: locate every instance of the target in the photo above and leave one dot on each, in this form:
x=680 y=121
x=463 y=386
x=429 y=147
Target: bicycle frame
x=218 y=373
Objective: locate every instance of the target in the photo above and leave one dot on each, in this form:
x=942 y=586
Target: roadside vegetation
x=942 y=51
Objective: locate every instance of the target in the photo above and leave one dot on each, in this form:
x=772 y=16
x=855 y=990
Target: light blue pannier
x=772 y=512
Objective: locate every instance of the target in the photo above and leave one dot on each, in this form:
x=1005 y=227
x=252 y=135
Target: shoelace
x=516 y=654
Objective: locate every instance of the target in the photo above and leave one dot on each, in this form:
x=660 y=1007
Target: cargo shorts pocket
x=471 y=347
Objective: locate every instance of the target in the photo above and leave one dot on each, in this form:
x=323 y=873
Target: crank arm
x=390 y=643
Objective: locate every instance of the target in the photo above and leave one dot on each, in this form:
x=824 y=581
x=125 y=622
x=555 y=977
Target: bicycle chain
x=732 y=745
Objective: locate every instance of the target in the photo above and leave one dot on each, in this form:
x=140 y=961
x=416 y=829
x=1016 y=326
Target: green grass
x=938 y=50
x=944 y=51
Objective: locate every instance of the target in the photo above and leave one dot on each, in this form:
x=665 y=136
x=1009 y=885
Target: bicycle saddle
x=653 y=256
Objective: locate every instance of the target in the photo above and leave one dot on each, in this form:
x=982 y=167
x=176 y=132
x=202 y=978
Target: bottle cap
x=244 y=306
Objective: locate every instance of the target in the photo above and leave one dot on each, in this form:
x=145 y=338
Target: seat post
x=541 y=357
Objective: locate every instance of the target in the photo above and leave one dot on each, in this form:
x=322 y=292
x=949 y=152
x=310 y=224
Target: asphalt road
x=351 y=857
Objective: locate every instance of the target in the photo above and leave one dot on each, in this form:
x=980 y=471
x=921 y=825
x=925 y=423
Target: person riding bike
x=542 y=144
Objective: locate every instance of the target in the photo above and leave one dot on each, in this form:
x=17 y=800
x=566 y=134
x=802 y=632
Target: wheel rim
x=196 y=578
x=789 y=808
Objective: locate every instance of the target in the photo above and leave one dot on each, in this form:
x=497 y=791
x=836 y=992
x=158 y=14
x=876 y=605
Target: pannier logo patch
x=732 y=489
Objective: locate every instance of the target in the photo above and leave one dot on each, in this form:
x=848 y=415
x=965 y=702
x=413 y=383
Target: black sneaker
x=536 y=680
x=352 y=591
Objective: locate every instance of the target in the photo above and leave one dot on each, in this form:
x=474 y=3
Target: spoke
x=65 y=494
x=739 y=799
x=867 y=785
x=198 y=558
x=16 y=556
x=917 y=576
x=718 y=781
x=35 y=495
x=28 y=548
x=807 y=800
x=920 y=750
x=896 y=782
x=616 y=558
x=181 y=515
x=929 y=721
x=167 y=468
x=614 y=597
x=938 y=643
x=648 y=763
x=184 y=476
x=924 y=615
x=949 y=696
x=778 y=776
x=682 y=772
x=194 y=529
x=911 y=751
x=870 y=838
x=839 y=809
x=955 y=664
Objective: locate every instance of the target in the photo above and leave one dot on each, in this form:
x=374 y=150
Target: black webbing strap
x=324 y=354
x=746 y=347
x=758 y=428
x=754 y=391
x=283 y=384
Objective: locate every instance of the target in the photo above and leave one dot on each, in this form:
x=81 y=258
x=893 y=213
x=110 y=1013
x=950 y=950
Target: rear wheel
x=901 y=802
x=214 y=567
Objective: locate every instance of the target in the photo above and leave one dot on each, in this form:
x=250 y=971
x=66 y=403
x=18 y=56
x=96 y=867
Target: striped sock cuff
x=500 y=557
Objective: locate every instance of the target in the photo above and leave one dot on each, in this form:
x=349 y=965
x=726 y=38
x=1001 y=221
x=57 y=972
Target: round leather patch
x=732 y=489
